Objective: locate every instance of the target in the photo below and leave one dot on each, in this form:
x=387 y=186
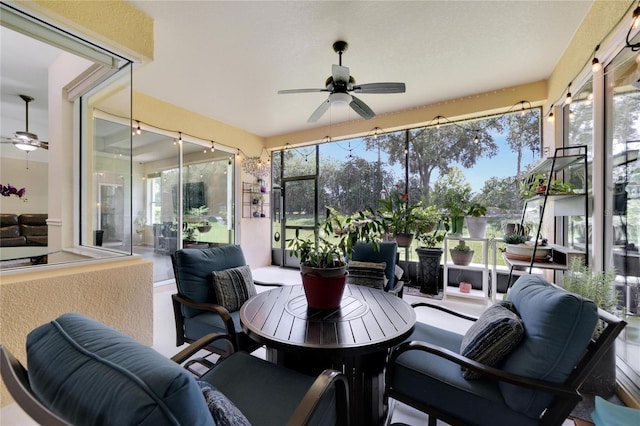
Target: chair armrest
x=309 y=404
x=266 y=284
x=443 y=309
x=490 y=372
x=397 y=289
x=178 y=300
x=199 y=344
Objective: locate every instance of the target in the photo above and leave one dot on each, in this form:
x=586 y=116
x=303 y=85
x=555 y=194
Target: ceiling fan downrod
x=340 y=47
x=26 y=99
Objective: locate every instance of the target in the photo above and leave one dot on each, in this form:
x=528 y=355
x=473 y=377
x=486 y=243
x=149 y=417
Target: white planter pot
x=476 y=226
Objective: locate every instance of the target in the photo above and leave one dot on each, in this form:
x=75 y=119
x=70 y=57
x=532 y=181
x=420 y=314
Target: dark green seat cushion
x=90 y=374
x=280 y=390
x=558 y=327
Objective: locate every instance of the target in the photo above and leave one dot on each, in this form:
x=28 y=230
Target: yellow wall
x=118 y=293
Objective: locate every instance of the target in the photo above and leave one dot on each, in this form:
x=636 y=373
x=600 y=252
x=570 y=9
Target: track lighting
x=596 y=66
x=635 y=23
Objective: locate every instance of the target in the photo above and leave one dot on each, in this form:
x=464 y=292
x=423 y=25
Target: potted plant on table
x=429 y=255
x=323 y=264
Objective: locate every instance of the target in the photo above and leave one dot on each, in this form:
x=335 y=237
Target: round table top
x=368 y=320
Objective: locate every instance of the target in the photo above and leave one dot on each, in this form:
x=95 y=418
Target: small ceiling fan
x=340 y=83
x=25 y=140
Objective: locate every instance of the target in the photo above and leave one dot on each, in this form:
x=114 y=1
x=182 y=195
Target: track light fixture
x=635 y=23
x=596 y=66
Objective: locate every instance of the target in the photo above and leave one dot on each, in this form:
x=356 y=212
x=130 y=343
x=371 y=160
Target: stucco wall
x=118 y=293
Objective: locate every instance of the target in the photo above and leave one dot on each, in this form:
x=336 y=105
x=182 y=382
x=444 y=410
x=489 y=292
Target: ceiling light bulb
x=551 y=118
x=25 y=146
x=568 y=100
x=636 y=18
x=571 y=114
x=476 y=140
x=596 y=65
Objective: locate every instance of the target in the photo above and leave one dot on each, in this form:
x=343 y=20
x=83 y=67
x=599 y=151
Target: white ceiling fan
x=340 y=83
x=25 y=140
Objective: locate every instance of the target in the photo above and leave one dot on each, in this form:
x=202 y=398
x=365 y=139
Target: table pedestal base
x=365 y=374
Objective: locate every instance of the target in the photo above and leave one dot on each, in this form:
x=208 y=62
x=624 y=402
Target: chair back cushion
x=387 y=252
x=192 y=268
x=558 y=327
x=90 y=374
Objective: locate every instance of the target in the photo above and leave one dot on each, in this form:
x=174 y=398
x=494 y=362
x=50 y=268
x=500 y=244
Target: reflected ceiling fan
x=340 y=83
x=25 y=140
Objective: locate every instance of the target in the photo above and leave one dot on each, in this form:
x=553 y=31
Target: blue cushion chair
x=82 y=372
x=387 y=252
x=537 y=383
x=196 y=308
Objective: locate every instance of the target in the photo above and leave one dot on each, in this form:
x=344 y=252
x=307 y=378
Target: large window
x=622 y=171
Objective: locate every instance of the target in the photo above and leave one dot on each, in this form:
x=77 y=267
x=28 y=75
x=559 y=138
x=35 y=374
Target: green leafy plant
x=476 y=210
x=462 y=246
x=595 y=286
x=338 y=235
x=457 y=201
x=514 y=238
x=436 y=235
x=398 y=215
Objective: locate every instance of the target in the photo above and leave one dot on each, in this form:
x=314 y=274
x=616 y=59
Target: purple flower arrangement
x=8 y=189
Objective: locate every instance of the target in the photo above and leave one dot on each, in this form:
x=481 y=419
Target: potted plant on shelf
x=517 y=247
x=429 y=255
x=461 y=254
x=457 y=201
x=597 y=287
x=323 y=265
x=399 y=217
x=476 y=220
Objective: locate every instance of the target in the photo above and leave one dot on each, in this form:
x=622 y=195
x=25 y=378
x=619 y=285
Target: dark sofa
x=23 y=230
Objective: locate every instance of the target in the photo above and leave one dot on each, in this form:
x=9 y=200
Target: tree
x=523 y=132
x=498 y=194
x=432 y=148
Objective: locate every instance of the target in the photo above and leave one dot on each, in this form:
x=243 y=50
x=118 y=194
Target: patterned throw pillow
x=492 y=337
x=233 y=287
x=223 y=411
x=368 y=274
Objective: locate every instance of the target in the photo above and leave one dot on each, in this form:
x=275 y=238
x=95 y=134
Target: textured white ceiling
x=227 y=60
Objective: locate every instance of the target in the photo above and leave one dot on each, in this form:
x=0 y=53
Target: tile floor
x=164 y=335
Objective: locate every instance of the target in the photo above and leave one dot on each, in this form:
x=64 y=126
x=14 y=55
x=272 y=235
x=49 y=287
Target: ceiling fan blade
x=285 y=92
x=380 y=88
x=319 y=111
x=340 y=73
x=361 y=108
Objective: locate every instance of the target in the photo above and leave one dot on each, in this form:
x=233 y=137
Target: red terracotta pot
x=323 y=292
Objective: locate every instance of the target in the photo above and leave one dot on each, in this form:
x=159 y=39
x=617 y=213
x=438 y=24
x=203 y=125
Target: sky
x=502 y=165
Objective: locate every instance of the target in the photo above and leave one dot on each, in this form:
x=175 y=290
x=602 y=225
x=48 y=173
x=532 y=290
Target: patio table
x=354 y=338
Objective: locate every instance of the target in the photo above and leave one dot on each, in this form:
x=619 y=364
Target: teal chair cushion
x=387 y=253
x=207 y=322
x=558 y=327
x=434 y=381
x=193 y=266
x=90 y=374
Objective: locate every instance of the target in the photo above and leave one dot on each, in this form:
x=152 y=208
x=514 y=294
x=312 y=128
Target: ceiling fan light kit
x=25 y=140
x=340 y=83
